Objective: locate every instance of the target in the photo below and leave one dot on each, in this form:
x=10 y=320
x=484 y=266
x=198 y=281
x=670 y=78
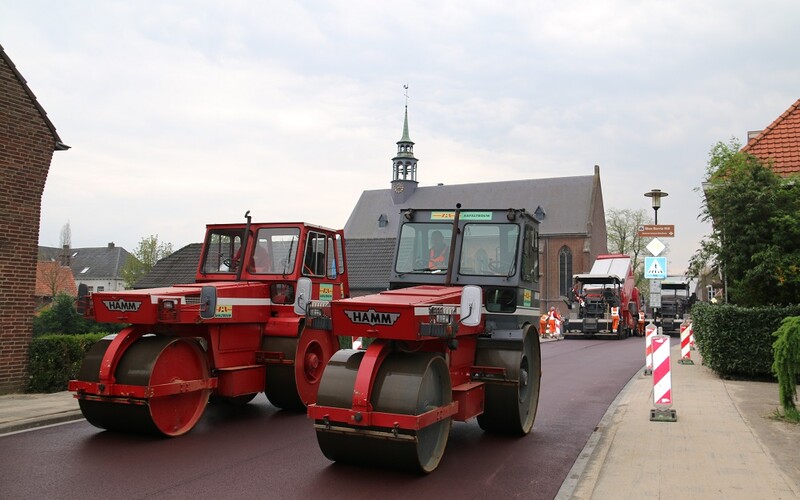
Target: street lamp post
x=656 y=195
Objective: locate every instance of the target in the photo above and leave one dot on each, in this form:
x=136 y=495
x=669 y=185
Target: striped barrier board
x=686 y=354
x=662 y=381
x=648 y=348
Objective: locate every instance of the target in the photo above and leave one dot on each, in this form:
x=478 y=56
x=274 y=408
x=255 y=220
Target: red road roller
x=228 y=336
x=453 y=338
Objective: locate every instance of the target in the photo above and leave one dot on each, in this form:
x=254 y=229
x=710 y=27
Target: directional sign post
x=657 y=230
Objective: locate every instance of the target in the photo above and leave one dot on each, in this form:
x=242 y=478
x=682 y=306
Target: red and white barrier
x=650 y=330
x=691 y=335
x=358 y=343
x=662 y=377
x=686 y=355
x=662 y=381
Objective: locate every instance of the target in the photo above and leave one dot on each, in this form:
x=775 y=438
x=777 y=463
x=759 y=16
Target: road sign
x=655 y=299
x=655 y=230
x=655 y=247
x=655 y=268
x=655 y=286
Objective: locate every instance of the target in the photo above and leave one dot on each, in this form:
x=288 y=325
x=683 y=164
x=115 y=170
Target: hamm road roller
x=453 y=338
x=232 y=334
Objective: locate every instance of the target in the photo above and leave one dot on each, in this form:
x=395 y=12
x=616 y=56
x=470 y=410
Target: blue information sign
x=655 y=268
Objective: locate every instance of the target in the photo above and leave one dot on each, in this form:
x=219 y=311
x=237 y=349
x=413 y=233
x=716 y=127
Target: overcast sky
x=180 y=114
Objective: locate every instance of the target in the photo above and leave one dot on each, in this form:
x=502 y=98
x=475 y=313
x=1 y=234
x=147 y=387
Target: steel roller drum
x=293 y=387
x=406 y=383
x=511 y=409
x=151 y=360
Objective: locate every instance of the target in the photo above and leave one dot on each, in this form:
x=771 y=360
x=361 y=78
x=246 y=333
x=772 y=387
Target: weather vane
x=405 y=93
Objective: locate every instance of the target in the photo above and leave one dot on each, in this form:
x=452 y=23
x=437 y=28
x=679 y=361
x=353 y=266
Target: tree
x=66 y=236
x=61 y=317
x=622 y=227
x=55 y=277
x=755 y=237
x=144 y=258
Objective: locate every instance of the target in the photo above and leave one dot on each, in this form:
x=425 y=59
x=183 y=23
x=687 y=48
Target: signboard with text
x=657 y=230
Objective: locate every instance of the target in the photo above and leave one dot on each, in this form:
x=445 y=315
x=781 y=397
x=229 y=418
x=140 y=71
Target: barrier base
x=663 y=415
x=685 y=361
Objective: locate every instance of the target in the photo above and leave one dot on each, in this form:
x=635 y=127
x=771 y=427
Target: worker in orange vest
x=543 y=325
x=439 y=251
x=554 y=322
x=614 y=319
x=641 y=323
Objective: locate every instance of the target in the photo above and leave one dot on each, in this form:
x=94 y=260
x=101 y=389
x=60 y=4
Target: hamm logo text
x=372 y=317
x=122 y=305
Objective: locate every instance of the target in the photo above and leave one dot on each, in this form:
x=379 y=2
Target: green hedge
x=56 y=358
x=736 y=342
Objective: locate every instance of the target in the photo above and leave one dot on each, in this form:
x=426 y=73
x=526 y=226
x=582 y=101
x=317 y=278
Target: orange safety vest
x=437 y=261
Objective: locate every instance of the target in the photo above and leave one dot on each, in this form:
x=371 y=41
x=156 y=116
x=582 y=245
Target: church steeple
x=404 y=165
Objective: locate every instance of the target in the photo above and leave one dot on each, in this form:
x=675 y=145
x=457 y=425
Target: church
x=570 y=211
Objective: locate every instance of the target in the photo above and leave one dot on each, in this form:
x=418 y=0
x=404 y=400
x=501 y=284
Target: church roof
x=566 y=202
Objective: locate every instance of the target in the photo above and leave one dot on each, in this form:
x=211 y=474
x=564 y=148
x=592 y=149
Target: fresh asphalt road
x=258 y=451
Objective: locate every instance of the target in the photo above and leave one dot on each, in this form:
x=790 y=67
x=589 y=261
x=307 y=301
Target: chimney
x=752 y=134
x=110 y=245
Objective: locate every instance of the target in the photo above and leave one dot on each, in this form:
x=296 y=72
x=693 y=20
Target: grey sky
x=186 y=113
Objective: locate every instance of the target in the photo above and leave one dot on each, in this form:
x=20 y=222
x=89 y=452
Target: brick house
x=52 y=279
x=570 y=211
x=27 y=142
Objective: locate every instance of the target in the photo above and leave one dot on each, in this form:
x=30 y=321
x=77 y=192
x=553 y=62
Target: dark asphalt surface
x=258 y=451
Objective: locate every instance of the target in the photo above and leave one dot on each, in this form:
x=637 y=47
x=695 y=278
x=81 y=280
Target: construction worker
x=614 y=319
x=554 y=322
x=439 y=251
x=543 y=325
x=641 y=324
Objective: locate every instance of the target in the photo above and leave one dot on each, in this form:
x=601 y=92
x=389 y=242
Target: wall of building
x=108 y=284
x=26 y=148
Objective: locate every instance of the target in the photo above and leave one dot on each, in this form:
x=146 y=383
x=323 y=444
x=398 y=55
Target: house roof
x=53 y=278
x=369 y=263
x=91 y=263
x=371 y=230
x=177 y=268
x=779 y=143
x=58 y=146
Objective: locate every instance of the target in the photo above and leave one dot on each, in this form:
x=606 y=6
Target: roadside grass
x=789 y=415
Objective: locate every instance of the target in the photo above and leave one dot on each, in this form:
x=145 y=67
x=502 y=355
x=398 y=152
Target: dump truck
x=453 y=338
x=604 y=302
x=676 y=302
x=227 y=337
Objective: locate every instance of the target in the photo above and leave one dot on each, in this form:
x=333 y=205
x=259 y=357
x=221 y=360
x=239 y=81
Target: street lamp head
x=656 y=195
